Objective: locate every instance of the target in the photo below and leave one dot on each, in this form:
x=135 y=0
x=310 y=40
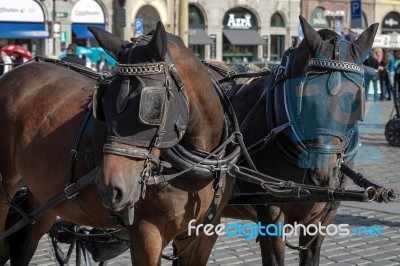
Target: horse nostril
x=116 y=195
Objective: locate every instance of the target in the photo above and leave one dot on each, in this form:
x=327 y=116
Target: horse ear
x=364 y=42
x=311 y=36
x=157 y=47
x=109 y=42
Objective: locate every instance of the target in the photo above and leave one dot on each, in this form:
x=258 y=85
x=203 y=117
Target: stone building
x=230 y=30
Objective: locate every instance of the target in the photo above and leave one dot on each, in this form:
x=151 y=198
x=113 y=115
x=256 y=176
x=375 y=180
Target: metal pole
x=184 y=21
x=52 y=26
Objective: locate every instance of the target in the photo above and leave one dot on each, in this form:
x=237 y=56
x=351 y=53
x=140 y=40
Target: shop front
x=23 y=23
x=86 y=13
x=391 y=23
x=241 y=39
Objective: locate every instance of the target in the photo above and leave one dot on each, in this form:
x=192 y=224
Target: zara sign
x=239 y=23
x=239 y=19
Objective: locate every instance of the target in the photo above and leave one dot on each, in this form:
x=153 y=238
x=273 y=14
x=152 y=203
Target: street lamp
x=333 y=17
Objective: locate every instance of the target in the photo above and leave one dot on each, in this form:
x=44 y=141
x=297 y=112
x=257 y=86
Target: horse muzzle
x=118 y=187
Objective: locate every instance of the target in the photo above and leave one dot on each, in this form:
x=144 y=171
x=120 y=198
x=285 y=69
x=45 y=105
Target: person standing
x=102 y=64
x=371 y=65
x=72 y=57
x=6 y=63
x=17 y=59
x=383 y=69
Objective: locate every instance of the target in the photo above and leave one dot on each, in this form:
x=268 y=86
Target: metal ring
x=373 y=190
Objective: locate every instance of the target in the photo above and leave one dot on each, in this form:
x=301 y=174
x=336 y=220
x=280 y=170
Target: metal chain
x=336 y=65
x=139 y=69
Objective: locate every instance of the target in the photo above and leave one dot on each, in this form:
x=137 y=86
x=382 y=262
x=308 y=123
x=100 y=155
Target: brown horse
x=313 y=101
x=162 y=95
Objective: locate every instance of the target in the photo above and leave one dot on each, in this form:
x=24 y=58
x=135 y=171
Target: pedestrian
x=102 y=65
x=17 y=59
x=392 y=66
x=72 y=57
x=383 y=69
x=6 y=63
x=371 y=65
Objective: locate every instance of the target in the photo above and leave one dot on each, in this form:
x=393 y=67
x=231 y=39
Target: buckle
x=70 y=192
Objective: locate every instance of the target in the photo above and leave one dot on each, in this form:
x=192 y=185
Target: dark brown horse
x=162 y=95
x=313 y=101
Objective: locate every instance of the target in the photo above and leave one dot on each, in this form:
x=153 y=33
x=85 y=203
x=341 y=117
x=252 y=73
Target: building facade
x=236 y=31
x=46 y=27
x=337 y=14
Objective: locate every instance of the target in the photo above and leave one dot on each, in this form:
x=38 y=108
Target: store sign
x=391 y=23
x=64 y=36
x=240 y=19
x=21 y=11
x=87 y=11
x=235 y=22
x=387 y=41
x=318 y=19
x=61 y=14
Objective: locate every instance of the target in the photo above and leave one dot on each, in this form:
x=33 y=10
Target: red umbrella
x=10 y=49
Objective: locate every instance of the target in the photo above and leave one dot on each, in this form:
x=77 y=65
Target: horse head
x=146 y=107
x=324 y=99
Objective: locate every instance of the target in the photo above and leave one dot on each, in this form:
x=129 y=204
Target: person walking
x=72 y=57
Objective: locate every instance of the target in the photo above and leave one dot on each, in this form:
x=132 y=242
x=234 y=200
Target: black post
x=52 y=26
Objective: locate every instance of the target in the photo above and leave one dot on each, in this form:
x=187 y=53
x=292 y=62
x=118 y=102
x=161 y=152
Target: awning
x=243 y=37
x=17 y=30
x=81 y=31
x=199 y=37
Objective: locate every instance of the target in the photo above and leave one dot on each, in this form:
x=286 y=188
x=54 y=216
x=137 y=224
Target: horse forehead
x=344 y=49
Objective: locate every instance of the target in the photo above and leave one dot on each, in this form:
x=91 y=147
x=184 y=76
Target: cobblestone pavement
x=378 y=161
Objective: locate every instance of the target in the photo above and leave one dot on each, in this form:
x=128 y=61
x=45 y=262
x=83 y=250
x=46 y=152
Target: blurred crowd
x=95 y=57
x=382 y=70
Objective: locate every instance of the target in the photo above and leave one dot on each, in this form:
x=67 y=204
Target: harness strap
x=78 y=68
x=381 y=194
x=308 y=244
x=74 y=151
x=69 y=192
x=279 y=191
x=219 y=183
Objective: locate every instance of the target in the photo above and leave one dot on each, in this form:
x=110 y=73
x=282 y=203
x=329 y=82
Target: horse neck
x=206 y=121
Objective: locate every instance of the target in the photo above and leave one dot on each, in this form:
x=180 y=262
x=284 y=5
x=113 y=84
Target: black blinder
x=152 y=105
x=98 y=93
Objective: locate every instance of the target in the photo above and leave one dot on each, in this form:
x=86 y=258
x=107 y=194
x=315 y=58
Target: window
x=277 y=20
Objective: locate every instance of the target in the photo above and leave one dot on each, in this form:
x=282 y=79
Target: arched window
x=277 y=20
x=196 y=19
x=150 y=17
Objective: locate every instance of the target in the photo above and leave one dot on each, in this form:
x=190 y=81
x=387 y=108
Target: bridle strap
x=335 y=65
x=126 y=151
